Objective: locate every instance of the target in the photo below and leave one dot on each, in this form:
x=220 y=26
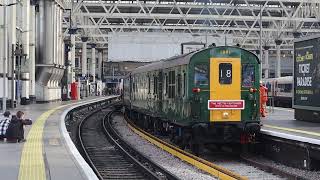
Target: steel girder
x=239 y=19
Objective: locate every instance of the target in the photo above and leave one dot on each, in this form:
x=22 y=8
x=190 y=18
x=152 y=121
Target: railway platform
x=289 y=141
x=281 y=123
x=46 y=154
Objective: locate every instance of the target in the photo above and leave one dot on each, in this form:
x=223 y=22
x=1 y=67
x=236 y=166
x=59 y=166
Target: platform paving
x=58 y=162
x=282 y=120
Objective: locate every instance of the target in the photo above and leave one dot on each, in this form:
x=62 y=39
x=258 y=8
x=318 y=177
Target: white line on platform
x=291 y=136
x=281 y=109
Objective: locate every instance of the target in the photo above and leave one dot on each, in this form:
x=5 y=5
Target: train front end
x=225 y=93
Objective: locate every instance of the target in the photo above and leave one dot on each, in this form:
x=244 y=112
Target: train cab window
x=247 y=75
x=201 y=75
x=225 y=73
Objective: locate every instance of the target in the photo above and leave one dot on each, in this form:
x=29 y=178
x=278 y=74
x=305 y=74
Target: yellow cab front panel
x=225 y=102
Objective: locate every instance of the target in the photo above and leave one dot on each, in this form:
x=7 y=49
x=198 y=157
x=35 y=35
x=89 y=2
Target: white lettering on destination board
x=304 y=68
x=304 y=81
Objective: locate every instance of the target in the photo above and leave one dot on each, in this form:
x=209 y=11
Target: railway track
x=233 y=167
x=109 y=156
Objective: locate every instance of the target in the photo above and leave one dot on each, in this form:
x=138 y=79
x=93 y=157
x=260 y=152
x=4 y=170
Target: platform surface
x=281 y=122
x=45 y=154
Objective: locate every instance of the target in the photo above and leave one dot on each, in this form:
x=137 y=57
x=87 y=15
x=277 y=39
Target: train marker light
x=253 y=90
x=196 y=90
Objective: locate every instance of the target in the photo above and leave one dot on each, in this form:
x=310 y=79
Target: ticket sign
x=225 y=104
x=307 y=73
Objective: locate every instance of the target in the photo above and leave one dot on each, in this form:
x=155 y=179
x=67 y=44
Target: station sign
x=307 y=72
x=225 y=104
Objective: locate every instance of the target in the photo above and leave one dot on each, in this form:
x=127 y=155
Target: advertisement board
x=307 y=73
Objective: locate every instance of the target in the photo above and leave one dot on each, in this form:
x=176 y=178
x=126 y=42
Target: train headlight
x=225 y=115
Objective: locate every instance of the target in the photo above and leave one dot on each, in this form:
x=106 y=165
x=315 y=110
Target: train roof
x=175 y=61
x=166 y=63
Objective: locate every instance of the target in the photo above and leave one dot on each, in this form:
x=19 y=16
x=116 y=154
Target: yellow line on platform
x=213 y=169
x=32 y=165
x=292 y=130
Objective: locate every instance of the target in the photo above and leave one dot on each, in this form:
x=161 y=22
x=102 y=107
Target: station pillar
x=100 y=55
x=266 y=61
x=93 y=63
x=32 y=54
x=12 y=41
x=84 y=72
x=278 y=64
x=73 y=57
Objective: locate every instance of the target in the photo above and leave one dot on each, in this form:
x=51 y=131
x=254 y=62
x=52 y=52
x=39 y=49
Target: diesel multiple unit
x=208 y=96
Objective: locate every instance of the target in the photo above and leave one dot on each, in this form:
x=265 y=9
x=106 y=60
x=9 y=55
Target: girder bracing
x=239 y=19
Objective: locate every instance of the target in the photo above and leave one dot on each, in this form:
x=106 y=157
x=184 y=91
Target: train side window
x=225 y=73
x=184 y=84
x=149 y=88
x=179 y=85
x=155 y=85
x=167 y=84
x=201 y=75
x=247 y=75
x=285 y=87
x=172 y=84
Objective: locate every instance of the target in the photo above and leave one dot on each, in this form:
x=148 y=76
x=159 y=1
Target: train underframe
x=195 y=135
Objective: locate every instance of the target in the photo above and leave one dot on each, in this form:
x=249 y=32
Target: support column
x=73 y=56
x=32 y=54
x=278 y=61
x=4 y=61
x=266 y=61
x=11 y=61
x=84 y=56
x=100 y=53
x=93 y=63
x=25 y=76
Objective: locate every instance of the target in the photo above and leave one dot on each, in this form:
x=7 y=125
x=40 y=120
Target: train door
x=200 y=90
x=225 y=102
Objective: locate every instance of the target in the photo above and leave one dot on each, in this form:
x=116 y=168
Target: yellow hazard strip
x=292 y=130
x=32 y=162
x=213 y=169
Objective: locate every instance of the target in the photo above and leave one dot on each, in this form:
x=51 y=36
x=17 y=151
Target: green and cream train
x=207 y=96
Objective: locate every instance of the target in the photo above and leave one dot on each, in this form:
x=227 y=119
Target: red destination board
x=225 y=104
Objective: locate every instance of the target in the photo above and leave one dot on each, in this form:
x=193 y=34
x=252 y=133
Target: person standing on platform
x=263 y=99
x=4 y=123
x=15 y=131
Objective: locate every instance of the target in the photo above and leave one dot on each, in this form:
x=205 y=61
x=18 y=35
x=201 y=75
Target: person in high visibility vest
x=263 y=99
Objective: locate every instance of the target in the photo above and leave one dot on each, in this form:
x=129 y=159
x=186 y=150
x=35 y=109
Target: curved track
x=108 y=156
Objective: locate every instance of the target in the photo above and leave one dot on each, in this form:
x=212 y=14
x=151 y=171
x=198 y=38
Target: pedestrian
x=263 y=99
x=4 y=123
x=15 y=131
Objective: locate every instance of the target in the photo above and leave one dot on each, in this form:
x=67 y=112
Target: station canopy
x=241 y=20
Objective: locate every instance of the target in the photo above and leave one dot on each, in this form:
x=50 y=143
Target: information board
x=307 y=73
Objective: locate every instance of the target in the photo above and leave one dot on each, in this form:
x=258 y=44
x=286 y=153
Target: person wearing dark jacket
x=15 y=131
x=4 y=123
